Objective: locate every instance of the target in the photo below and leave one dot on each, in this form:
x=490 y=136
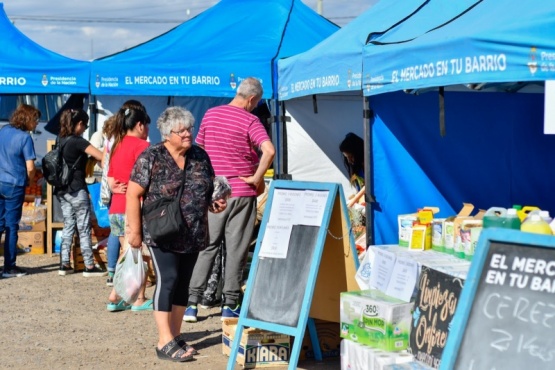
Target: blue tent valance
x=211 y=53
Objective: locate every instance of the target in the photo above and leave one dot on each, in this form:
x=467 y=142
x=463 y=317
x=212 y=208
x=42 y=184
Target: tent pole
x=368 y=168
x=93 y=114
x=276 y=137
x=280 y=121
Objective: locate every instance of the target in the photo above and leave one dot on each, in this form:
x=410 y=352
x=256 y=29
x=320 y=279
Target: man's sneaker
x=14 y=272
x=190 y=314
x=229 y=313
x=208 y=303
x=65 y=269
x=110 y=280
x=94 y=271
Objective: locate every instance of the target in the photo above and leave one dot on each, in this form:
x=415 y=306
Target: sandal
x=172 y=351
x=146 y=306
x=180 y=339
x=120 y=306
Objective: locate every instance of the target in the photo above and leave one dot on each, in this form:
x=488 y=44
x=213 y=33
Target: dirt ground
x=49 y=321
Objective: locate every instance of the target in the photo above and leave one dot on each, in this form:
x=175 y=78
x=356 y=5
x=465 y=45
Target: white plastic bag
x=130 y=274
x=105 y=192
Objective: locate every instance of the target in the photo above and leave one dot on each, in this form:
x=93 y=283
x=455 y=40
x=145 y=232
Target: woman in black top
x=158 y=172
x=74 y=198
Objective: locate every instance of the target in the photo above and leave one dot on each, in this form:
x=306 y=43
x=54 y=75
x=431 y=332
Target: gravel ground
x=60 y=322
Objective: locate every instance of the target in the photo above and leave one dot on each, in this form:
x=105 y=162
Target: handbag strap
x=182 y=181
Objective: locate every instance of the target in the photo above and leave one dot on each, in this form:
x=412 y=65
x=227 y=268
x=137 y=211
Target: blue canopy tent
x=493 y=42
x=28 y=68
x=335 y=64
x=338 y=60
x=211 y=53
x=494 y=152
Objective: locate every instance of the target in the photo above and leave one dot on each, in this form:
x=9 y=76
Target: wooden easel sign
x=505 y=318
x=305 y=229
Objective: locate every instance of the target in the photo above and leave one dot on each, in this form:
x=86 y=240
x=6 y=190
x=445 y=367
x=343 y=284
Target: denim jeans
x=76 y=209
x=113 y=252
x=11 y=207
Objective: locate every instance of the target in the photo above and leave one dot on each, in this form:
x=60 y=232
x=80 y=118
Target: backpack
x=55 y=169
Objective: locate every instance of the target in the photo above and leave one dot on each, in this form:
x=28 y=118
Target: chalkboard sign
x=279 y=286
x=434 y=308
x=305 y=230
x=506 y=314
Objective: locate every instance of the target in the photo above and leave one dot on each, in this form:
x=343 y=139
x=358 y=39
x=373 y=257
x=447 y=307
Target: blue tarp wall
x=494 y=154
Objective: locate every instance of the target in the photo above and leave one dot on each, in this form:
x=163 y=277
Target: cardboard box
x=421 y=232
x=373 y=318
x=258 y=348
x=32 y=238
x=438 y=234
x=449 y=230
x=470 y=233
x=328 y=339
x=407 y=221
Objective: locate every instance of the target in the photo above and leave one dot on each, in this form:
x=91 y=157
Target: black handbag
x=163 y=218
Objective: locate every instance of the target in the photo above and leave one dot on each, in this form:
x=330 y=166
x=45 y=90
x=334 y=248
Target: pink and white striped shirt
x=228 y=134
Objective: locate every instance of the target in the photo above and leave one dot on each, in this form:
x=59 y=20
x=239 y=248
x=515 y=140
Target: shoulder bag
x=163 y=218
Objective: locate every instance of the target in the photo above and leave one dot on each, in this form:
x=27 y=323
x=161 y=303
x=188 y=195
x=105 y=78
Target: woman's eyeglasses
x=183 y=131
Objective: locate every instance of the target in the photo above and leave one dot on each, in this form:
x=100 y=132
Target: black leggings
x=173 y=274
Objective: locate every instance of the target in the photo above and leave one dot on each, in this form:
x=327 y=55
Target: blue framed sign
x=505 y=318
x=305 y=230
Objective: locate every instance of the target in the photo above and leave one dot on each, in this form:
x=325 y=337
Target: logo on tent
x=97 y=82
x=349 y=74
x=232 y=82
x=44 y=80
x=533 y=64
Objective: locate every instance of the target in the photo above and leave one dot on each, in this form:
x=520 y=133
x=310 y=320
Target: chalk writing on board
x=435 y=305
x=512 y=320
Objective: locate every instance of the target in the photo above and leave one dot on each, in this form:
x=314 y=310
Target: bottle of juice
x=535 y=224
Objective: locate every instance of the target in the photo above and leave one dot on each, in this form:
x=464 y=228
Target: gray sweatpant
x=235 y=225
x=76 y=209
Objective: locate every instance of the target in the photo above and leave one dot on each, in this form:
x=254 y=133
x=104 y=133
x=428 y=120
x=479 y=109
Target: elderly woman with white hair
x=158 y=173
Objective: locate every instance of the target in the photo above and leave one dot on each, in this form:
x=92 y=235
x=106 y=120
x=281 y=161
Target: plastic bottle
x=535 y=224
x=524 y=211
x=494 y=217
x=545 y=216
x=512 y=221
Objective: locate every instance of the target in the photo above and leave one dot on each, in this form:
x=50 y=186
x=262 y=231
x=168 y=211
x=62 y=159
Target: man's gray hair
x=250 y=86
x=174 y=118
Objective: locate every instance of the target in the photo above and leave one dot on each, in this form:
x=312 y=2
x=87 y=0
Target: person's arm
x=268 y=153
x=116 y=186
x=30 y=164
x=133 y=223
x=95 y=153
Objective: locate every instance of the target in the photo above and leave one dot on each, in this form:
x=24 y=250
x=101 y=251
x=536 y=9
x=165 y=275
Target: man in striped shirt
x=229 y=133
